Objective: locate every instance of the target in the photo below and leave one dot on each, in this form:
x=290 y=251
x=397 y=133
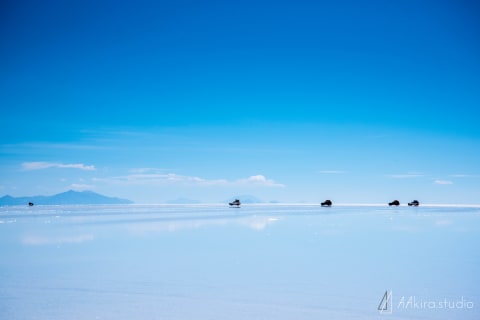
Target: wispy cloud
x=464 y=175
x=147 y=170
x=332 y=172
x=406 y=175
x=160 y=178
x=40 y=165
x=173 y=178
x=260 y=180
x=79 y=186
x=21 y=148
x=443 y=182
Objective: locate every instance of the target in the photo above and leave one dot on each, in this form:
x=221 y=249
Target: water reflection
x=256 y=262
x=172 y=225
x=35 y=240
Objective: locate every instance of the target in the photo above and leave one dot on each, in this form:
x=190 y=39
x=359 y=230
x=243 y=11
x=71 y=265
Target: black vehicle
x=235 y=203
x=327 y=203
x=394 y=203
x=414 y=203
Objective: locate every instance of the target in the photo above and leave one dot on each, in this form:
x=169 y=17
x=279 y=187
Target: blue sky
x=285 y=100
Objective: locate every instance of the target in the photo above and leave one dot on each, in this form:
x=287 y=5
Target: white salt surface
x=254 y=262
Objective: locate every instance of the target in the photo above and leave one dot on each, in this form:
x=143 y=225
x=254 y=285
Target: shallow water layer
x=253 y=262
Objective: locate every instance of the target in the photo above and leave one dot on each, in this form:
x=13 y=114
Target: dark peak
x=67 y=197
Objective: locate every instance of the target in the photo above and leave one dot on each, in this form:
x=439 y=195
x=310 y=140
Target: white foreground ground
x=254 y=262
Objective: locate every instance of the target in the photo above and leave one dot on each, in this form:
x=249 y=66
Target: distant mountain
x=69 y=197
x=246 y=199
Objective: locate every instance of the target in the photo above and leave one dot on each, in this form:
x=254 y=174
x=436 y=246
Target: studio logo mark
x=386 y=305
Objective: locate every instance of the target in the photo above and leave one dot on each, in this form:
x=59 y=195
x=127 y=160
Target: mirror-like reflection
x=255 y=262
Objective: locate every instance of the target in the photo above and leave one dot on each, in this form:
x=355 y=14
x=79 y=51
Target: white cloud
x=259 y=180
x=173 y=178
x=442 y=182
x=147 y=170
x=332 y=172
x=406 y=175
x=161 y=178
x=22 y=147
x=465 y=176
x=39 y=165
x=78 y=186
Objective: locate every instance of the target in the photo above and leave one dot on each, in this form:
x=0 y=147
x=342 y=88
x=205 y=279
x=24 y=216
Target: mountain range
x=69 y=197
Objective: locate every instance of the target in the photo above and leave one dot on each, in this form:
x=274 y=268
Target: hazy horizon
x=251 y=200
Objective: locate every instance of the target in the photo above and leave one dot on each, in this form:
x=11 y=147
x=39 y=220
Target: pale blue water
x=255 y=262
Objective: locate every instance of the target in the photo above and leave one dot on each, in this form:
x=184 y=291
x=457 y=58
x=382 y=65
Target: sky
x=289 y=101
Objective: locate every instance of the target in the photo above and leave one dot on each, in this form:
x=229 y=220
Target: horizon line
x=432 y=205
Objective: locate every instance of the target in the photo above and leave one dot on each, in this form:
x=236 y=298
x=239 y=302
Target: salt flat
x=254 y=262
